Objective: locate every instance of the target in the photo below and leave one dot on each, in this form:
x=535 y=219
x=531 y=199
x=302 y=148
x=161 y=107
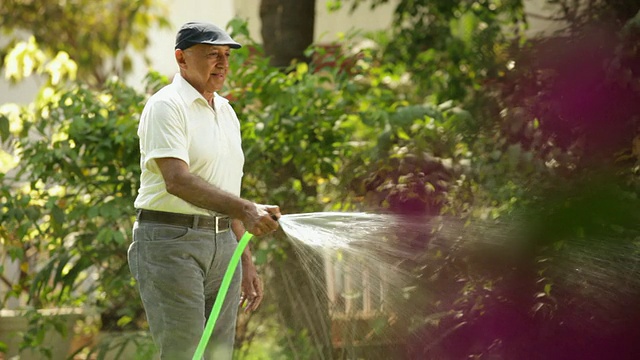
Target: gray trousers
x=179 y=272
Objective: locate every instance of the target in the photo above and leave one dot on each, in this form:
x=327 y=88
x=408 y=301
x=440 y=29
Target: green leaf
x=124 y=320
x=4 y=127
x=58 y=215
x=260 y=256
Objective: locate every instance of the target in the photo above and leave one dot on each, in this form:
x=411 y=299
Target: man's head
x=202 y=52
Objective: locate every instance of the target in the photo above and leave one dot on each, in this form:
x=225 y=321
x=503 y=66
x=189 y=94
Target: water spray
x=326 y=229
x=370 y=250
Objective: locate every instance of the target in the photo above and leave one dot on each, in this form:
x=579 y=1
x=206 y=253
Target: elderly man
x=189 y=210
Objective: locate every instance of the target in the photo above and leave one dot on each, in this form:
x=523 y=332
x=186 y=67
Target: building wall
x=21 y=93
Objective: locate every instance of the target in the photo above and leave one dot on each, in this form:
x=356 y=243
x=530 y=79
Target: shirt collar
x=189 y=94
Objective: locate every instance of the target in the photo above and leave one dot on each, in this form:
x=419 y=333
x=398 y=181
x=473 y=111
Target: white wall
x=537 y=11
x=330 y=24
x=21 y=93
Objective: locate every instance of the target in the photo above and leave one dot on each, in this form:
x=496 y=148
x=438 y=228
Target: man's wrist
x=240 y=208
x=246 y=254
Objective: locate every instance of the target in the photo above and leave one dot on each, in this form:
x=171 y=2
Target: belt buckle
x=218 y=224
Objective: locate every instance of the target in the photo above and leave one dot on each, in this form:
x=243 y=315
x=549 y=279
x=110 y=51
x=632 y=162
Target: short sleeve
x=163 y=133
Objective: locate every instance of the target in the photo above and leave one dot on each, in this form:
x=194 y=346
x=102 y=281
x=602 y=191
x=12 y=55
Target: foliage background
x=452 y=112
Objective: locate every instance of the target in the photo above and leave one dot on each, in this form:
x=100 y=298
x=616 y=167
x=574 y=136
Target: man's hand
x=252 y=288
x=261 y=219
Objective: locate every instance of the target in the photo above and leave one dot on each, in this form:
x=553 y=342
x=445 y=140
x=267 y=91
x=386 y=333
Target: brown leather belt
x=219 y=224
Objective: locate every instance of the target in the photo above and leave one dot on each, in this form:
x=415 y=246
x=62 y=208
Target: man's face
x=204 y=66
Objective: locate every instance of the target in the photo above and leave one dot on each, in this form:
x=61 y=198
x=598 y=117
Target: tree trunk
x=287 y=29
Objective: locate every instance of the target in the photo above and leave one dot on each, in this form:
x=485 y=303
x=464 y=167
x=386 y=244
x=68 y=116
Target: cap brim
x=233 y=45
x=187 y=44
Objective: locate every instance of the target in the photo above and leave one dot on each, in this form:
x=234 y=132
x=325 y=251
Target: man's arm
x=252 y=287
x=193 y=189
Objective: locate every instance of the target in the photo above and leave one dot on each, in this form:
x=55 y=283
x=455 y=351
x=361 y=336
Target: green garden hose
x=222 y=293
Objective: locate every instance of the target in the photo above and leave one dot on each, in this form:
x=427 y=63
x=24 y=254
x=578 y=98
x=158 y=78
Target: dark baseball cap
x=193 y=33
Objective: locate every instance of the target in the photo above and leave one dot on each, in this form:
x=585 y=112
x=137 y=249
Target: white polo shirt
x=178 y=122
